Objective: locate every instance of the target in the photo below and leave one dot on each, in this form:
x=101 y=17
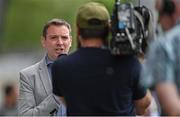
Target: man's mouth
x=59 y=50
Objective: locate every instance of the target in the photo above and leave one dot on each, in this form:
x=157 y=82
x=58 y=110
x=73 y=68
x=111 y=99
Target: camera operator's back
x=97 y=83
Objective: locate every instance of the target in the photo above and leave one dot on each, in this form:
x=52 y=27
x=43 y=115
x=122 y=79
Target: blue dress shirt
x=62 y=108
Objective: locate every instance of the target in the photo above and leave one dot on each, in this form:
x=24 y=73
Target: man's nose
x=59 y=41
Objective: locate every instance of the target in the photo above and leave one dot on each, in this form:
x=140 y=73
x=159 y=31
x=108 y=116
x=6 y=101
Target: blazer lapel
x=44 y=76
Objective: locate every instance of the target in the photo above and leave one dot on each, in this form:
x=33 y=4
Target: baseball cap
x=92 y=15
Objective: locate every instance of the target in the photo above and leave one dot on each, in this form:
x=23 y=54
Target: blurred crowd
x=9 y=101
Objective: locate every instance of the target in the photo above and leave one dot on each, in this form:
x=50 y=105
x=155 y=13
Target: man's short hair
x=55 y=22
x=93 y=20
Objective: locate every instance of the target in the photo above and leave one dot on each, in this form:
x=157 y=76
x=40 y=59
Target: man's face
x=57 y=41
x=165 y=20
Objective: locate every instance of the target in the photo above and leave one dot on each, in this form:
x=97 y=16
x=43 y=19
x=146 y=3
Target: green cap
x=92 y=15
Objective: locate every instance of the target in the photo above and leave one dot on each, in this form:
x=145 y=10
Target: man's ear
x=43 y=41
x=70 y=40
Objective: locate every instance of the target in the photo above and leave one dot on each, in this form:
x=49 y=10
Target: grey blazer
x=35 y=94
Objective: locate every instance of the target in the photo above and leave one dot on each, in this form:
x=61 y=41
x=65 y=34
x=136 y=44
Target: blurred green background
x=21 y=23
x=23 y=20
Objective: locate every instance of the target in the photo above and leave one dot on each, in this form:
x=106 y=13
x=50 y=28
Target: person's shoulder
x=130 y=62
x=67 y=58
x=133 y=63
x=30 y=69
x=29 y=72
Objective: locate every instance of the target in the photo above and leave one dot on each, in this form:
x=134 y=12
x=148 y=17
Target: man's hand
x=143 y=104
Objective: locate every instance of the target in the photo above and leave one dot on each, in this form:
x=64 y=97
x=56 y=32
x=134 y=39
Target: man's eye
x=64 y=37
x=53 y=37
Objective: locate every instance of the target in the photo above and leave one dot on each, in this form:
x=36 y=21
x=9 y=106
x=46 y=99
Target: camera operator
x=92 y=81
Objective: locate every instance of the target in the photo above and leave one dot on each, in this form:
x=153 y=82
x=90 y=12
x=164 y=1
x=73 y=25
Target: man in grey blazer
x=36 y=97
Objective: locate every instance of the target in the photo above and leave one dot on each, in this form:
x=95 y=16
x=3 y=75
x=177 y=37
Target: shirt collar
x=48 y=60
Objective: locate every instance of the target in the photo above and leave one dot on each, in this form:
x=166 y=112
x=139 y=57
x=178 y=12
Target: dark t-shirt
x=93 y=82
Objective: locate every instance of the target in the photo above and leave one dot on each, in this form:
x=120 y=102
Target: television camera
x=129 y=29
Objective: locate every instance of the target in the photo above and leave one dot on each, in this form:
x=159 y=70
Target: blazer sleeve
x=27 y=103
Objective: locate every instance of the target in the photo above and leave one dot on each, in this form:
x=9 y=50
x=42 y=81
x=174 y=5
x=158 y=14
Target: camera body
x=128 y=29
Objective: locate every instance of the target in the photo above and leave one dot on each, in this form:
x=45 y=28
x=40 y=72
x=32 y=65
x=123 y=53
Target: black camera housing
x=128 y=29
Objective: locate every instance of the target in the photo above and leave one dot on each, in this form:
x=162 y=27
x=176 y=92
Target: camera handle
x=130 y=38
